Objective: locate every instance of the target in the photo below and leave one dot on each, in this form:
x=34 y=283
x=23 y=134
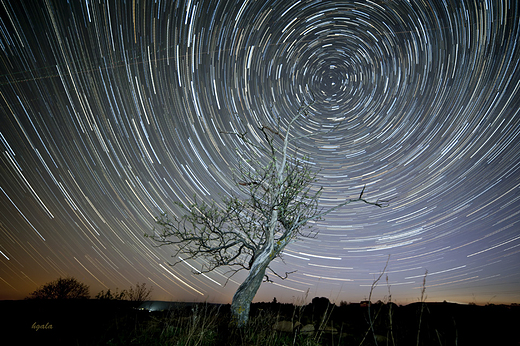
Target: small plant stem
x=423 y=298
x=370 y=322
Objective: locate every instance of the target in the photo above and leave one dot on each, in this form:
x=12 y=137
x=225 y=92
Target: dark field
x=97 y=322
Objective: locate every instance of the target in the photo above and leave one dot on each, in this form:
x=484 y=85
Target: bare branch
x=282 y=277
x=262 y=128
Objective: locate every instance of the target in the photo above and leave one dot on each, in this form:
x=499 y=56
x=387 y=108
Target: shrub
x=62 y=288
x=112 y=296
x=138 y=294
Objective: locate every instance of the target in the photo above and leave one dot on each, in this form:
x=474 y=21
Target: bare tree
x=139 y=294
x=278 y=199
x=62 y=288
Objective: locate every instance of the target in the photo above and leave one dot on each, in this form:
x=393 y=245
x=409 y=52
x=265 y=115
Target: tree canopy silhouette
x=62 y=288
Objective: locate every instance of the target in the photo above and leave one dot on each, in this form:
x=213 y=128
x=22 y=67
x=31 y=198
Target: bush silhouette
x=108 y=295
x=62 y=288
x=137 y=294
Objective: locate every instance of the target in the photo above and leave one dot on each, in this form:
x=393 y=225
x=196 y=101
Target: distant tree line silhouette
x=71 y=288
x=139 y=293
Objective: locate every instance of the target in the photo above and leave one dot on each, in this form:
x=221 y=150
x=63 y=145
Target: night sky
x=110 y=112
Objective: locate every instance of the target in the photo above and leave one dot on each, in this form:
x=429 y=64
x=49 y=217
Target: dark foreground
x=96 y=322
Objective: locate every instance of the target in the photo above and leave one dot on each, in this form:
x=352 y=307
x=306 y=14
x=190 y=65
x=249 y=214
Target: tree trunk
x=247 y=290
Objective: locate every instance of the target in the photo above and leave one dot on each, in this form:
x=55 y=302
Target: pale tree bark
x=247 y=290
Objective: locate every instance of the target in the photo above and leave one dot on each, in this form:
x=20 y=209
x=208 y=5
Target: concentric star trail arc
x=111 y=111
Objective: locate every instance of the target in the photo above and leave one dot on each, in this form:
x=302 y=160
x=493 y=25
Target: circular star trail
x=112 y=111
